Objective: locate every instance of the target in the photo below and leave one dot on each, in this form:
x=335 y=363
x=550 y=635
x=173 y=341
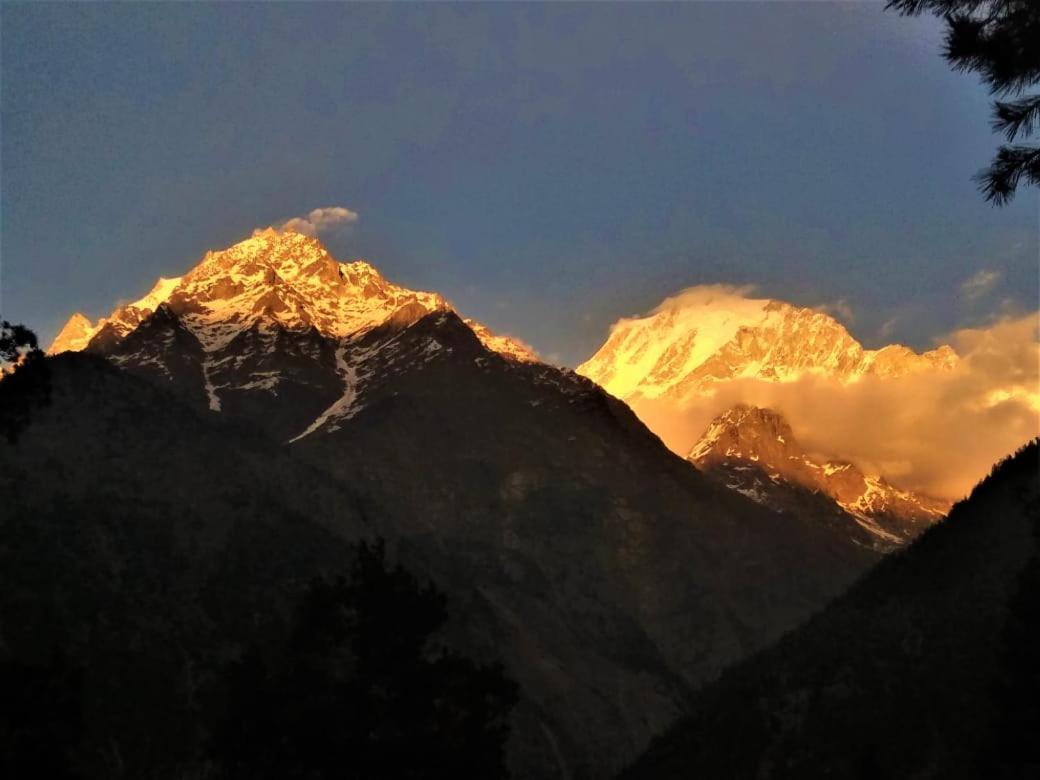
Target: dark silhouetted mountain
x=609 y=575
x=147 y=543
x=926 y=668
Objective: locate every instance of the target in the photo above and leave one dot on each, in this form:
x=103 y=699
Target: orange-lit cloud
x=936 y=432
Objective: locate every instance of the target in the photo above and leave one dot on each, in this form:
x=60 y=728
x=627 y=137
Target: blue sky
x=549 y=168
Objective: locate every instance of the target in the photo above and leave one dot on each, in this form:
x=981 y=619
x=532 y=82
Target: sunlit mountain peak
x=754 y=451
x=715 y=333
x=274 y=278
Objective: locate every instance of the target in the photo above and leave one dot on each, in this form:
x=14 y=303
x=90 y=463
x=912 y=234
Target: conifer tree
x=359 y=691
x=24 y=378
x=999 y=40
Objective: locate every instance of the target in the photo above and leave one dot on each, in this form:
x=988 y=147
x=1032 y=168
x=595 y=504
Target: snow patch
x=211 y=390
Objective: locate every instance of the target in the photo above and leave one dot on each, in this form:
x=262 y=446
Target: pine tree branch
x=1011 y=165
x=998 y=39
x=1002 y=48
x=1017 y=117
x=938 y=7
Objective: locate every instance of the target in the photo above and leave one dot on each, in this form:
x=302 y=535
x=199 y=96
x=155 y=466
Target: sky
x=549 y=168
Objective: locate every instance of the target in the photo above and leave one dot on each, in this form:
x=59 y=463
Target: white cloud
x=888 y=327
x=839 y=309
x=981 y=284
x=704 y=294
x=321 y=220
x=693 y=297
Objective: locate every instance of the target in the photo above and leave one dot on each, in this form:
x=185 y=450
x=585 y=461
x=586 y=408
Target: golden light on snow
x=285 y=278
x=933 y=422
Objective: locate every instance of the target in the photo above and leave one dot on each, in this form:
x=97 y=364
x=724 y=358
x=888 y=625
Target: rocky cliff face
x=755 y=452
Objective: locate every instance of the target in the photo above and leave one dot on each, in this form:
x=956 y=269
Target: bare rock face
x=755 y=452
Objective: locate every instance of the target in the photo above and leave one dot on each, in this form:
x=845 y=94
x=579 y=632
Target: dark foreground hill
x=150 y=540
x=609 y=576
x=926 y=668
x=146 y=544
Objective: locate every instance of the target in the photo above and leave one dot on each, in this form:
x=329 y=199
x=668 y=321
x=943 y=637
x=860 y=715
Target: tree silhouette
x=1013 y=751
x=1000 y=40
x=24 y=378
x=358 y=691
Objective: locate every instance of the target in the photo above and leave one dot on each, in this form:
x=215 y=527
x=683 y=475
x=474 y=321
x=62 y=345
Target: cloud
x=981 y=284
x=704 y=294
x=936 y=432
x=839 y=309
x=725 y=294
x=888 y=327
x=692 y=297
x=321 y=220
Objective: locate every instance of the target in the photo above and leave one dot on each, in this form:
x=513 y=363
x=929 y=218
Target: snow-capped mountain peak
x=277 y=323
x=754 y=451
x=273 y=279
x=74 y=335
x=713 y=334
x=747 y=432
x=289 y=280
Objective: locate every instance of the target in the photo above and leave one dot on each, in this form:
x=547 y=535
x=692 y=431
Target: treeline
x=355 y=686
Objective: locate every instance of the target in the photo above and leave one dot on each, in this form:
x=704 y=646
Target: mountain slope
x=150 y=541
x=552 y=496
x=755 y=452
x=147 y=542
x=608 y=574
x=606 y=602
x=922 y=670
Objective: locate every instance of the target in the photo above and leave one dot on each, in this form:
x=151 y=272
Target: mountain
x=755 y=452
x=260 y=329
x=693 y=341
x=273 y=279
x=608 y=574
x=925 y=668
x=709 y=348
x=147 y=542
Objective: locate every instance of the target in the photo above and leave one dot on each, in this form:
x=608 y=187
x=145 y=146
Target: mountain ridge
x=578 y=548
x=754 y=451
x=695 y=340
x=273 y=314
x=924 y=668
x=273 y=277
